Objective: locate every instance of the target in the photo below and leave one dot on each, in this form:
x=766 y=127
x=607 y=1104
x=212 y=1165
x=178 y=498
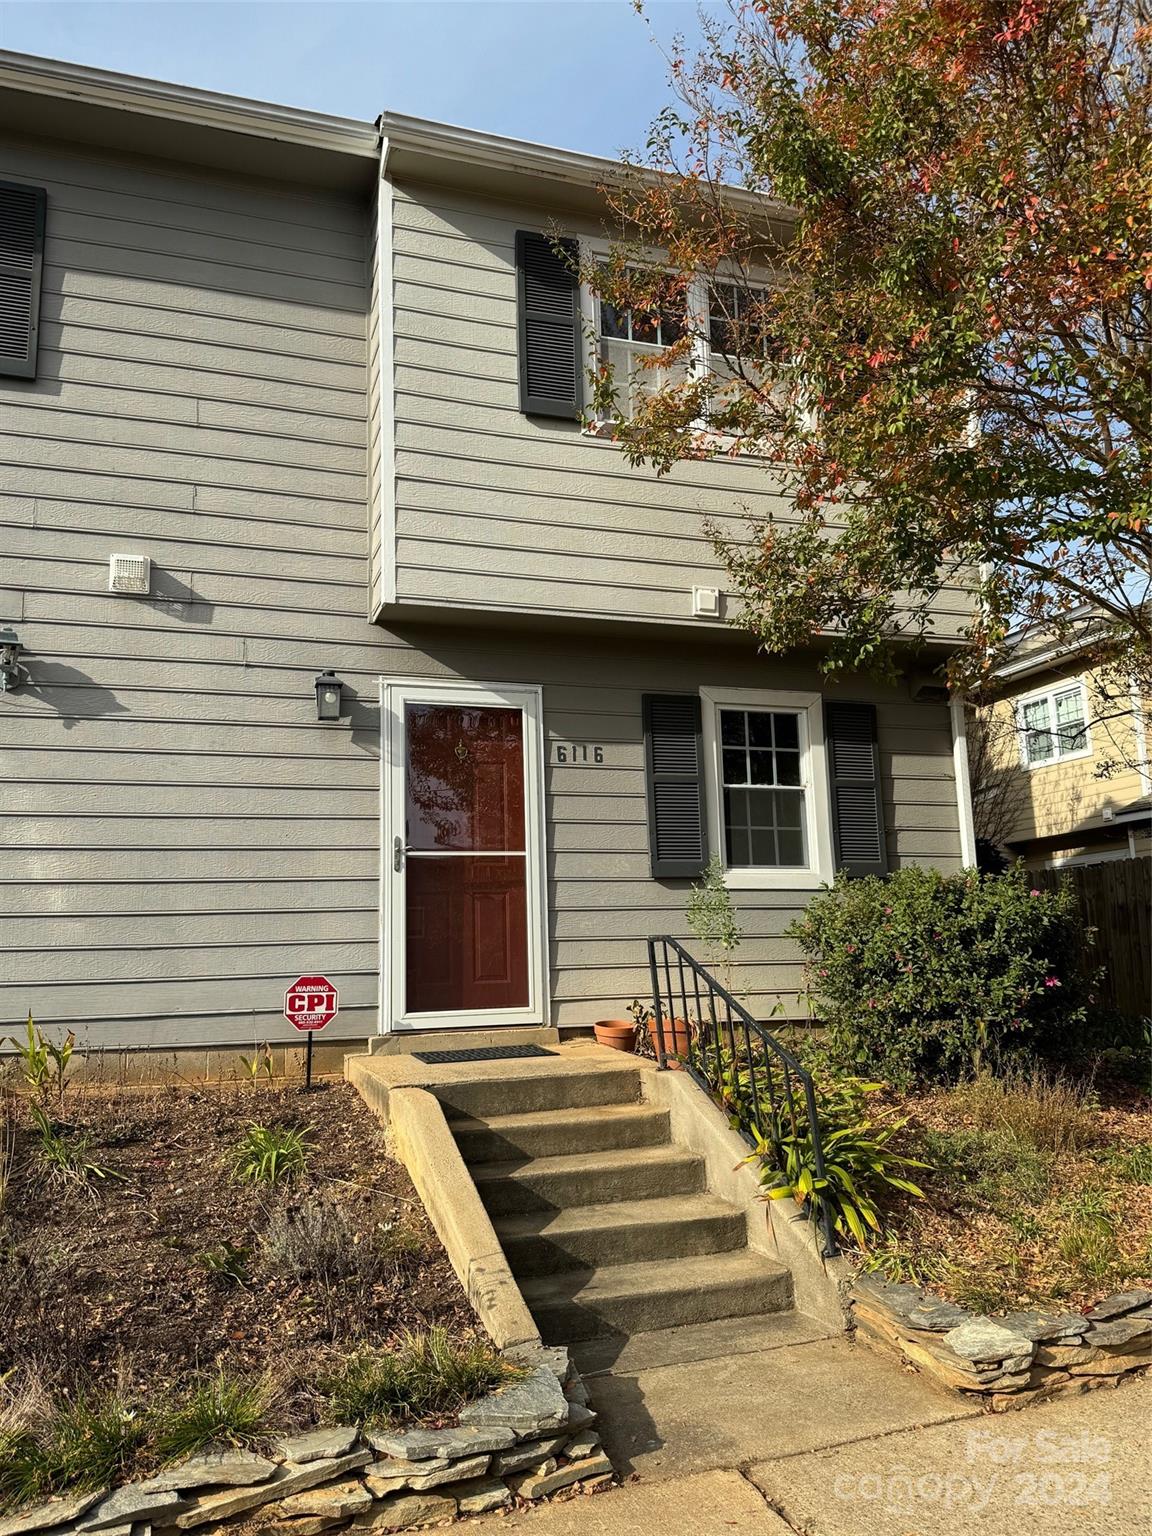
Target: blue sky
x=583 y=74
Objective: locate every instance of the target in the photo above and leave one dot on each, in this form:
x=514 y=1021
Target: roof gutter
x=448 y=142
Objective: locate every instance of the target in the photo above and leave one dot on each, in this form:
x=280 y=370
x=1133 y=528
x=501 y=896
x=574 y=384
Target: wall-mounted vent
x=130 y=574
x=705 y=602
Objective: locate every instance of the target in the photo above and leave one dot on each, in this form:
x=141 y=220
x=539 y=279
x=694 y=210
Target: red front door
x=465 y=886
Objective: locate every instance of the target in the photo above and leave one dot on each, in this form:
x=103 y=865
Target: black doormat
x=481 y=1053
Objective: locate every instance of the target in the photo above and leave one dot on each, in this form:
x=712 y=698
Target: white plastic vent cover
x=130 y=573
x=705 y=602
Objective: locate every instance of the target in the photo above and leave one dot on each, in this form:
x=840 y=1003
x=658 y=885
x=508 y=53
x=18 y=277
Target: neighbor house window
x=629 y=337
x=767 y=787
x=1053 y=726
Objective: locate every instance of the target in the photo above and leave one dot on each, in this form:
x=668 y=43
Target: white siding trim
x=957 y=709
x=386 y=383
x=1140 y=741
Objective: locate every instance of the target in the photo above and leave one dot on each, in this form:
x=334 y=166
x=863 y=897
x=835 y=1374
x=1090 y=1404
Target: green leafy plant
x=259 y=1065
x=427 y=1373
x=228 y=1261
x=43 y=1063
x=923 y=975
x=1132 y=1164
x=225 y=1410
x=64 y=1156
x=81 y=1445
x=861 y=1164
x=712 y=917
x=268 y=1154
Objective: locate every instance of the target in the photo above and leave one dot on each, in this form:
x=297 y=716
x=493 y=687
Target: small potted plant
x=677 y=1032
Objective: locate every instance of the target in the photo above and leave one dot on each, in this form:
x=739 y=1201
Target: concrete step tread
x=619 y=1213
x=665 y=1277
x=575 y=1117
x=584 y=1162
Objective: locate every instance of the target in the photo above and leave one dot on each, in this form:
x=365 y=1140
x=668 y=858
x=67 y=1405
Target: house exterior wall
x=1067 y=800
x=519 y=514
x=179 y=836
x=176 y=826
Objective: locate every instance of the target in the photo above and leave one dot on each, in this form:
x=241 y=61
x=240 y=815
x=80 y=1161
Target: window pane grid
x=1053 y=726
x=763 y=796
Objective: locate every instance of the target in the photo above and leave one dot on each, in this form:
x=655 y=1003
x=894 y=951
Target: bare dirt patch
x=172 y=1266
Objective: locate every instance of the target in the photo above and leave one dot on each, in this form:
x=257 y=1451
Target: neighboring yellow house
x=1060 y=768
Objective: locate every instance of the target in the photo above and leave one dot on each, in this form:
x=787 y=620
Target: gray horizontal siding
x=498 y=511
x=178 y=836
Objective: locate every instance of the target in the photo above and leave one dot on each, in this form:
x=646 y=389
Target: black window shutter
x=21 y=259
x=548 y=307
x=854 y=779
x=674 y=764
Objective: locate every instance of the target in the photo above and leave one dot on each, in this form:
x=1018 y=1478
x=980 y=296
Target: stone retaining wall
x=1008 y=1361
x=521 y=1443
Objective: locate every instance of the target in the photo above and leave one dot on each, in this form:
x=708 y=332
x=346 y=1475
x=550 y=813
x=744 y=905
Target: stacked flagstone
x=1009 y=1360
x=523 y=1442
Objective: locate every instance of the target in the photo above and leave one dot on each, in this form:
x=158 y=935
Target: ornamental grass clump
x=924 y=976
x=426 y=1373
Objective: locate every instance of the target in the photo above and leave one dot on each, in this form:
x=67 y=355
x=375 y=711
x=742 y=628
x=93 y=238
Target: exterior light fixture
x=12 y=674
x=329 y=696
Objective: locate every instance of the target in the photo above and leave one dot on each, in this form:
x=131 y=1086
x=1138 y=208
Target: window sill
x=1058 y=762
x=746 y=879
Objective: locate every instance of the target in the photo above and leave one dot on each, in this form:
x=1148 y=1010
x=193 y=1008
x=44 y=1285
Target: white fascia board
x=211 y=109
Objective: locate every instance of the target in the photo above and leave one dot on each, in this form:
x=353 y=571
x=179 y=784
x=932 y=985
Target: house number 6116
x=578 y=752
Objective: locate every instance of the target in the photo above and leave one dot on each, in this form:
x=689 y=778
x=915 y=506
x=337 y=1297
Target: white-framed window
x=732 y=312
x=767 y=783
x=627 y=339
x=1053 y=726
x=712 y=310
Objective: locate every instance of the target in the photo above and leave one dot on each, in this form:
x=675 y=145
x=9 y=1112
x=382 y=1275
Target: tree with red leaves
x=925 y=232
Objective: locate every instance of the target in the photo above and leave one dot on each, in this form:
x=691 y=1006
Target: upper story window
x=733 y=310
x=629 y=338
x=1053 y=726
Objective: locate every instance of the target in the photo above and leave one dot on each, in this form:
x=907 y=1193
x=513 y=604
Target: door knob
x=397 y=854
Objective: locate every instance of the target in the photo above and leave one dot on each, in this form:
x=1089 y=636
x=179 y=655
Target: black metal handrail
x=734 y=1058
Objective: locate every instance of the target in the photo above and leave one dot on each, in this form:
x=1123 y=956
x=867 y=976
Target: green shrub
x=427 y=1373
x=923 y=975
x=270 y=1153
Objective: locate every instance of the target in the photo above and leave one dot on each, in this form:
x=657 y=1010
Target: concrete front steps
x=607 y=1225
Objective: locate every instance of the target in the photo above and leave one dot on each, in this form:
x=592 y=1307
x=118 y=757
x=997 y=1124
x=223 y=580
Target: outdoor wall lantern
x=12 y=674
x=329 y=696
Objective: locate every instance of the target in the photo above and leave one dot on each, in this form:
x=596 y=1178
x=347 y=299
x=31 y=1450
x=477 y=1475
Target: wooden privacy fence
x=1116 y=900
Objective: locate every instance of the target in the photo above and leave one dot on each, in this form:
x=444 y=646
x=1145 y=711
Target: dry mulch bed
x=107 y=1281
x=1066 y=1228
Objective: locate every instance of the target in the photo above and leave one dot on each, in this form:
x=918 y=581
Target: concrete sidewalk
x=824 y=1438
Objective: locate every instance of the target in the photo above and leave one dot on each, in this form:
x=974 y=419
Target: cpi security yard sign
x=310 y=1003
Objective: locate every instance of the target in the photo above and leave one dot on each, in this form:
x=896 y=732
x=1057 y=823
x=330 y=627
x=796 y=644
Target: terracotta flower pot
x=620 y=1034
x=677 y=1035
